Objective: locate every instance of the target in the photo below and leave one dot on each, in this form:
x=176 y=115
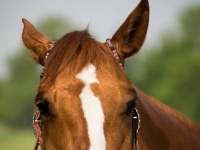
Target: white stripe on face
x=92 y=109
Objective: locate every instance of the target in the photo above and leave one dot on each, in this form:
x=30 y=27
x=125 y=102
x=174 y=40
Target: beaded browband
x=47 y=54
x=108 y=41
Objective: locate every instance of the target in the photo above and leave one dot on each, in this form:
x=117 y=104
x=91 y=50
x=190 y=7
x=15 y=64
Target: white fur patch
x=92 y=109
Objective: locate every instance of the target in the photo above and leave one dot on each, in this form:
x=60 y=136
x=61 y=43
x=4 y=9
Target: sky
x=104 y=17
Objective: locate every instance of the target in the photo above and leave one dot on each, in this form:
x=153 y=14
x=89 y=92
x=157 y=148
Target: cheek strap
x=37 y=127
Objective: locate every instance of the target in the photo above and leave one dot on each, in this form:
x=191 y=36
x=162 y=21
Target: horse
x=86 y=102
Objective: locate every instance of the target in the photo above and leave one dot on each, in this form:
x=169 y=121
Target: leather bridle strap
x=37 y=123
x=36 y=145
x=135 y=128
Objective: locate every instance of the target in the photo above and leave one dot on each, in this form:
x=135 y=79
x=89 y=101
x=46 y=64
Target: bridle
x=37 y=123
x=112 y=48
x=37 y=127
x=135 y=128
x=47 y=54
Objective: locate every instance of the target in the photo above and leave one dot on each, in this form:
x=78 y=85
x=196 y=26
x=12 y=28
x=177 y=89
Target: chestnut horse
x=85 y=101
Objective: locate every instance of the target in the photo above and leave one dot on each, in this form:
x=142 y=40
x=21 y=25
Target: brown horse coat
x=84 y=96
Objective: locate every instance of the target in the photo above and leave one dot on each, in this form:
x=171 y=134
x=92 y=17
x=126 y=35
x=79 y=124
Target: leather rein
x=37 y=122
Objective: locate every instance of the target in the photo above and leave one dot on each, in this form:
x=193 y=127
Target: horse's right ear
x=130 y=36
x=37 y=43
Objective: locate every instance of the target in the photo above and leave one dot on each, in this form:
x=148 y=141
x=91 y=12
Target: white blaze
x=92 y=109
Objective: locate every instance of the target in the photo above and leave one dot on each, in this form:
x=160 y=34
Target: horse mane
x=74 y=50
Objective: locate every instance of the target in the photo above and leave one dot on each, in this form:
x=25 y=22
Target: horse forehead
x=88 y=74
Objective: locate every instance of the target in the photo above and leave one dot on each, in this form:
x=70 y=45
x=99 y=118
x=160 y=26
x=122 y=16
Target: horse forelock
x=74 y=50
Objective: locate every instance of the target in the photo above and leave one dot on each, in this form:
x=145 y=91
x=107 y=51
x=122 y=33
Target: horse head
x=84 y=99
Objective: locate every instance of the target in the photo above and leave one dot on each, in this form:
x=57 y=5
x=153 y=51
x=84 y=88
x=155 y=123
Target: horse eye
x=129 y=107
x=43 y=107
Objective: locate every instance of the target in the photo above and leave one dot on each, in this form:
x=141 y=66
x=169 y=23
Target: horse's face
x=84 y=97
x=86 y=107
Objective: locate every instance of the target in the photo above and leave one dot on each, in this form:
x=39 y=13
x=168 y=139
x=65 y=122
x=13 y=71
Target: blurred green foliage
x=17 y=92
x=171 y=71
x=16 y=139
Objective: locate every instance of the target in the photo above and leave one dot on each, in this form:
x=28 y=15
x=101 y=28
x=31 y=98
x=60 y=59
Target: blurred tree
x=55 y=27
x=171 y=72
x=18 y=91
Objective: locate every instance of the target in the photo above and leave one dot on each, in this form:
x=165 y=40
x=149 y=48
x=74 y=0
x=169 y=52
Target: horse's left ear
x=37 y=43
x=130 y=36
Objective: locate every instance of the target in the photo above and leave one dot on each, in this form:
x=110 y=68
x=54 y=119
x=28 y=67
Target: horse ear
x=130 y=36
x=37 y=43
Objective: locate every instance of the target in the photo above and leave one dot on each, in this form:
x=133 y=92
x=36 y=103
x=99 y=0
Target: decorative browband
x=108 y=41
